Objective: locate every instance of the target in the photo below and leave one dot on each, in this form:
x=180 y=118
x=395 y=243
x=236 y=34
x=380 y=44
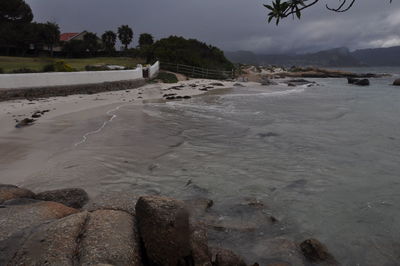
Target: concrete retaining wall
x=154 y=69
x=13 y=81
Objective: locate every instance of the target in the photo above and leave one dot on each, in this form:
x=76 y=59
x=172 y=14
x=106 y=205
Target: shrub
x=61 y=66
x=23 y=70
x=1 y=70
x=49 y=68
x=167 y=77
x=95 y=68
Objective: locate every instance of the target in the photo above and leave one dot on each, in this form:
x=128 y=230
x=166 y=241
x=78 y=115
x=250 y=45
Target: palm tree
x=125 y=35
x=109 y=39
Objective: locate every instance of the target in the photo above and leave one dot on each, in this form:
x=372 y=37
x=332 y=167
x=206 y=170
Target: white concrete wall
x=12 y=81
x=154 y=69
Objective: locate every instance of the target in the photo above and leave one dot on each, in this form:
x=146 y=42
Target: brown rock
x=199 y=245
x=164 y=228
x=71 y=197
x=110 y=238
x=54 y=243
x=8 y=192
x=396 y=82
x=224 y=257
x=18 y=217
x=122 y=201
x=315 y=251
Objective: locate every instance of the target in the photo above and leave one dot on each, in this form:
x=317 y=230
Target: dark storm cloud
x=232 y=24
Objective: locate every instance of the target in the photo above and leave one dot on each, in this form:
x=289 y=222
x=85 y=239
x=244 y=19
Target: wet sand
x=42 y=155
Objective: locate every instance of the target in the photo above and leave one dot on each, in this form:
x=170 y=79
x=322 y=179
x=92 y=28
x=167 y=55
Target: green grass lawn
x=8 y=63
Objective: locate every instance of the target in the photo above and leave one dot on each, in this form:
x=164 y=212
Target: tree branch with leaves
x=282 y=9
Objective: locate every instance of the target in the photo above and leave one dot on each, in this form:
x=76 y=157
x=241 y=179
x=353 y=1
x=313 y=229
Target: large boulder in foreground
x=163 y=225
x=52 y=243
x=199 y=245
x=396 y=82
x=8 y=192
x=224 y=257
x=121 y=201
x=110 y=238
x=15 y=218
x=71 y=197
x=316 y=252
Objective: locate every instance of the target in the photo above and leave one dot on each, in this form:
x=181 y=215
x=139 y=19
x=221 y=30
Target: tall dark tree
x=91 y=42
x=125 y=35
x=50 y=35
x=15 y=11
x=145 y=39
x=109 y=39
x=282 y=9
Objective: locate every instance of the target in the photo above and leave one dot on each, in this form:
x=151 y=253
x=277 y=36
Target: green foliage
x=96 y=68
x=74 y=48
x=23 y=70
x=49 y=68
x=125 y=35
x=49 y=34
x=109 y=39
x=189 y=52
x=167 y=77
x=91 y=42
x=15 y=11
x=145 y=39
x=61 y=66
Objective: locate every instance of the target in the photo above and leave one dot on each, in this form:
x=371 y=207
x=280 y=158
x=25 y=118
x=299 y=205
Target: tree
x=50 y=35
x=109 y=39
x=125 y=35
x=145 y=39
x=15 y=11
x=280 y=10
x=91 y=42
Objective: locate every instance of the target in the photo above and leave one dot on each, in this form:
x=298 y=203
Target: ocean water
x=324 y=160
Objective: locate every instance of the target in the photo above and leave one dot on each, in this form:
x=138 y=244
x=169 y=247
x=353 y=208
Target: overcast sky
x=232 y=24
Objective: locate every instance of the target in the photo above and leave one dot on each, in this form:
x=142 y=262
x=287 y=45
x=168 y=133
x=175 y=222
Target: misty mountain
x=338 y=57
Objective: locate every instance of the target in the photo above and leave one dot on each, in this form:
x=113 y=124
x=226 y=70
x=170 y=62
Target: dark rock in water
x=178 y=97
x=224 y=257
x=267 y=82
x=298 y=82
x=199 y=246
x=36 y=115
x=71 y=197
x=362 y=82
x=292 y=85
x=17 y=218
x=316 y=252
x=268 y=134
x=203 y=89
x=8 y=192
x=164 y=229
x=396 y=82
x=171 y=98
x=25 y=122
x=187 y=97
x=53 y=243
x=217 y=84
x=352 y=80
x=238 y=85
x=110 y=238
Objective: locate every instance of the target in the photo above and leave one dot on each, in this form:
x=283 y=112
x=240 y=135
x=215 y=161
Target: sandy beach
x=69 y=121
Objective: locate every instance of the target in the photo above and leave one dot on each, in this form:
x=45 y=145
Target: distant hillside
x=339 y=57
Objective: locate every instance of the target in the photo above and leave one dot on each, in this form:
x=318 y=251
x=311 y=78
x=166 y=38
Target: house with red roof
x=69 y=36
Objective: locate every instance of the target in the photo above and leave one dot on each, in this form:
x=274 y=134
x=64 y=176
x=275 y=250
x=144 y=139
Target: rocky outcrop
x=360 y=82
x=224 y=257
x=8 y=192
x=71 y=197
x=52 y=243
x=16 y=218
x=110 y=238
x=314 y=251
x=199 y=245
x=163 y=225
x=396 y=82
x=267 y=82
